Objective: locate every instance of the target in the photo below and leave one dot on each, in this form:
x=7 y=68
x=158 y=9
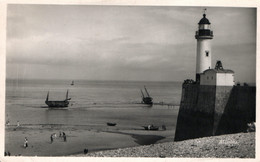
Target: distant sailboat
x=72 y=83
x=58 y=104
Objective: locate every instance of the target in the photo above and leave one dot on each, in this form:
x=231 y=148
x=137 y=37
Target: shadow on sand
x=142 y=139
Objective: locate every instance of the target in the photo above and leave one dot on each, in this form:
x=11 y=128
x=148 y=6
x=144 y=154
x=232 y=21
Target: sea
x=92 y=102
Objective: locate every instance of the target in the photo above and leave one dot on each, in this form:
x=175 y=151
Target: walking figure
x=65 y=138
x=51 y=139
x=163 y=127
x=25 y=142
x=8 y=122
x=85 y=151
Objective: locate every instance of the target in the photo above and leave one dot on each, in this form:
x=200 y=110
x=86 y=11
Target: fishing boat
x=151 y=127
x=58 y=104
x=111 y=124
x=72 y=83
x=146 y=99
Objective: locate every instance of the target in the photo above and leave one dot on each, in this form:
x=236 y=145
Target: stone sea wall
x=210 y=110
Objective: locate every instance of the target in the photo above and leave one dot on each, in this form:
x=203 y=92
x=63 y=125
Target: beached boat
x=111 y=124
x=151 y=127
x=146 y=99
x=58 y=104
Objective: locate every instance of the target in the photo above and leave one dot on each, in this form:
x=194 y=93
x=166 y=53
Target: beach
x=78 y=138
x=240 y=145
x=122 y=142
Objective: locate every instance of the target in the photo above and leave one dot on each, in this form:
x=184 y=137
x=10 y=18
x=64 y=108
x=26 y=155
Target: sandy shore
x=132 y=142
x=79 y=137
x=241 y=145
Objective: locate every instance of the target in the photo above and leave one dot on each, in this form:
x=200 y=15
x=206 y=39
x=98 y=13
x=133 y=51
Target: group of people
x=62 y=135
x=7 y=153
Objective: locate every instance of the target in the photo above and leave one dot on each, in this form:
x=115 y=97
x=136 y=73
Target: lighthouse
x=214 y=105
x=204 y=35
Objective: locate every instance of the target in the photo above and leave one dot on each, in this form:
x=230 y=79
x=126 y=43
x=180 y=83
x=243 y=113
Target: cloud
x=115 y=42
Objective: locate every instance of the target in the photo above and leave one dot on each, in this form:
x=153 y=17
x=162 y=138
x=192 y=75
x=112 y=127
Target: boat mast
x=47 y=98
x=146 y=91
x=67 y=94
x=142 y=93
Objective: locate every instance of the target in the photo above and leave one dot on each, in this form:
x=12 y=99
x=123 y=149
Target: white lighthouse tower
x=203 y=36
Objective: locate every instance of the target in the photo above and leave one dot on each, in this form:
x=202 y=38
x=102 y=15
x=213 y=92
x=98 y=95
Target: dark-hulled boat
x=151 y=127
x=146 y=99
x=111 y=124
x=58 y=104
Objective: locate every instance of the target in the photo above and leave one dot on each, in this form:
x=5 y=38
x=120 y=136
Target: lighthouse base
x=214 y=110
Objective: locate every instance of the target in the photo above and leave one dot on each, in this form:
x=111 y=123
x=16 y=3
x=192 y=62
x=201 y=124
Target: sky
x=139 y=43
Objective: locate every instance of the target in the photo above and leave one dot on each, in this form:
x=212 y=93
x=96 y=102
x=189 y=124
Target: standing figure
x=51 y=139
x=25 y=142
x=65 y=138
x=7 y=122
x=85 y=151
x=163 y=127
x=18 y=124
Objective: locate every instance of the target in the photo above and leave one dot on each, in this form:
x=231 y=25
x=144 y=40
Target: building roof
x=204 y=20
x=219 y=71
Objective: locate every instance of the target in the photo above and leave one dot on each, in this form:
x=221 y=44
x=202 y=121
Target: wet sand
x=104 y=141
x=79 y=137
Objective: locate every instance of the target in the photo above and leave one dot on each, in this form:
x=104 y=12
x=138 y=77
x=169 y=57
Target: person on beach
x=54 y=135
x=25 y=142
x=18 y=124
x=60 y=134
x=65 y=138
x=163 y=127
x=51 y=139
x=85 y=151
x=149 y=127
x=7 y=122
x=8 y=153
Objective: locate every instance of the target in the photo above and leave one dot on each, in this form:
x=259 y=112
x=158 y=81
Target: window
x=207 y=53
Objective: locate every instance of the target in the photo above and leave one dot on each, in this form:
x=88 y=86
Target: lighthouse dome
x=204 y=20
